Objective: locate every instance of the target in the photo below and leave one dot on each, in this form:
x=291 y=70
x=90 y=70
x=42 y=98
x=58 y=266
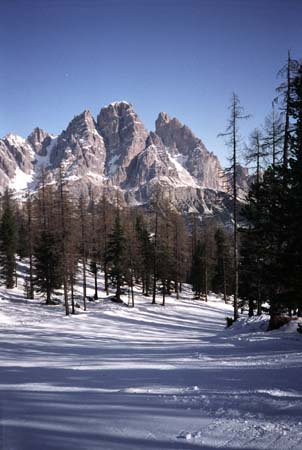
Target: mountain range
x=116 y=152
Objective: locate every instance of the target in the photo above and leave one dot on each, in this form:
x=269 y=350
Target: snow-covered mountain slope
x=149 y=377
x=116 y=152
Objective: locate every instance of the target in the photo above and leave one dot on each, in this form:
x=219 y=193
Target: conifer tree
x=292 y=207
x=232 y=136
x=94 y=253
x=197 y=270
x=116 y=256
x=105 y=213
x=83 y=245
x=46 y=252
x=63 y=236
x=30 y=242
x=144 y=254
x=165 y=261
x=221 y=281
x=273 y=136
x=8 y=241
x=285 y=92
x=255 y=154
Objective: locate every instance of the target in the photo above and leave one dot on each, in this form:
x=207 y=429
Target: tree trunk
x=155 y=260
x=84 y=282
x=106 y=280
x=72 y=294
x=164 y=293
x=95 y=283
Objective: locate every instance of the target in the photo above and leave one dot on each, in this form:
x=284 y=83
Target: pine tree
x=197 y=271
x=285 y=92
x=47 y=256
x=233 y=139
x=63 y=235
x=165 y=261
x=292 y=252
x=180 y=250
x=144 y=257
x=105 y=213
x=273 y=136
x=83 y=245
x=116 y=256
x=272 y=245
x=94 y=247
x=255 y=154
x=30 y=241
x=221 y=281
x=8 y=241
x=47 y=267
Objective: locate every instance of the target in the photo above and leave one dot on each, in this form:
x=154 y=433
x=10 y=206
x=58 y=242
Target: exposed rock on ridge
x=200 y=163
x=116 y=152
x=80 y=148
x=124 y=136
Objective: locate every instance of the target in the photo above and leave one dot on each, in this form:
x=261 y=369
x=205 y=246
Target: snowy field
x=118 y=378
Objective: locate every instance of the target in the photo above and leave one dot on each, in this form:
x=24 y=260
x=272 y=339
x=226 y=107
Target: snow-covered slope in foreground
x=117 y=378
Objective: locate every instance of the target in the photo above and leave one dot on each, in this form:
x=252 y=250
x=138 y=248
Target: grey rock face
x=80 y=148
x=124 y=136
x=203 y=165
x=39 y=140
x=15 y=155
x=117 y=153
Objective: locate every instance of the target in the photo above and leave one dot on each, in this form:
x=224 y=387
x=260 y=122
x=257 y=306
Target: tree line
x=267 y=244
x=257 y=262
x=63 y=239
x=271 y=243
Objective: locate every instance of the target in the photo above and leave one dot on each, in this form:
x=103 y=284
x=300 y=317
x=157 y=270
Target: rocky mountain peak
x=184 y=145
x=116 y=152
x=80 y=147
x=14 y=140
x=124 y=136
x=174 y=134
x=16 y=157
x=162 y=120
x=38 y=139
x=153 y=139
x=81 y=123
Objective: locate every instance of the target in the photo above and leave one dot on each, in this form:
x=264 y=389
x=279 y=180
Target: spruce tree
x=144 y=257
x=8 y=241
x=116 y=256
x=197 y=270
x=292 y=253
x=47 y=256
x=48 y=264
x=221 y=281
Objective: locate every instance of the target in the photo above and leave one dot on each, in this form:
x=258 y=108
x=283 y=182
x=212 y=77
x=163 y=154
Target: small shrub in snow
x=229 y=321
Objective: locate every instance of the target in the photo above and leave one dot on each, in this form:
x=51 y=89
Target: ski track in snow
x=118 y=378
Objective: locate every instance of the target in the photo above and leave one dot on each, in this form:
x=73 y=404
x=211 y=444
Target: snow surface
x=21 y=180
x=44 y=161
x=15 y=140
x=149 y=377
x=184 y=176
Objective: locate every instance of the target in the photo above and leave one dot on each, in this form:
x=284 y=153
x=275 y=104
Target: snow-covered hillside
x=149 y=377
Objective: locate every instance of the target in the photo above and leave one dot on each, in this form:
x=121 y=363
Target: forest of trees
x=63 y=240
x=257 y=261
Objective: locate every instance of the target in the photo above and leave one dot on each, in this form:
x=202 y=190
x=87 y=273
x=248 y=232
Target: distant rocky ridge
x=116 y=152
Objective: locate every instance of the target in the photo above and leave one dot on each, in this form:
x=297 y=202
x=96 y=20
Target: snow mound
x=250 y=324
x=292 y=326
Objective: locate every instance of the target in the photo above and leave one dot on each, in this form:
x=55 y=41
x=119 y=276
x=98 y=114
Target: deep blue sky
x=185 y=57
